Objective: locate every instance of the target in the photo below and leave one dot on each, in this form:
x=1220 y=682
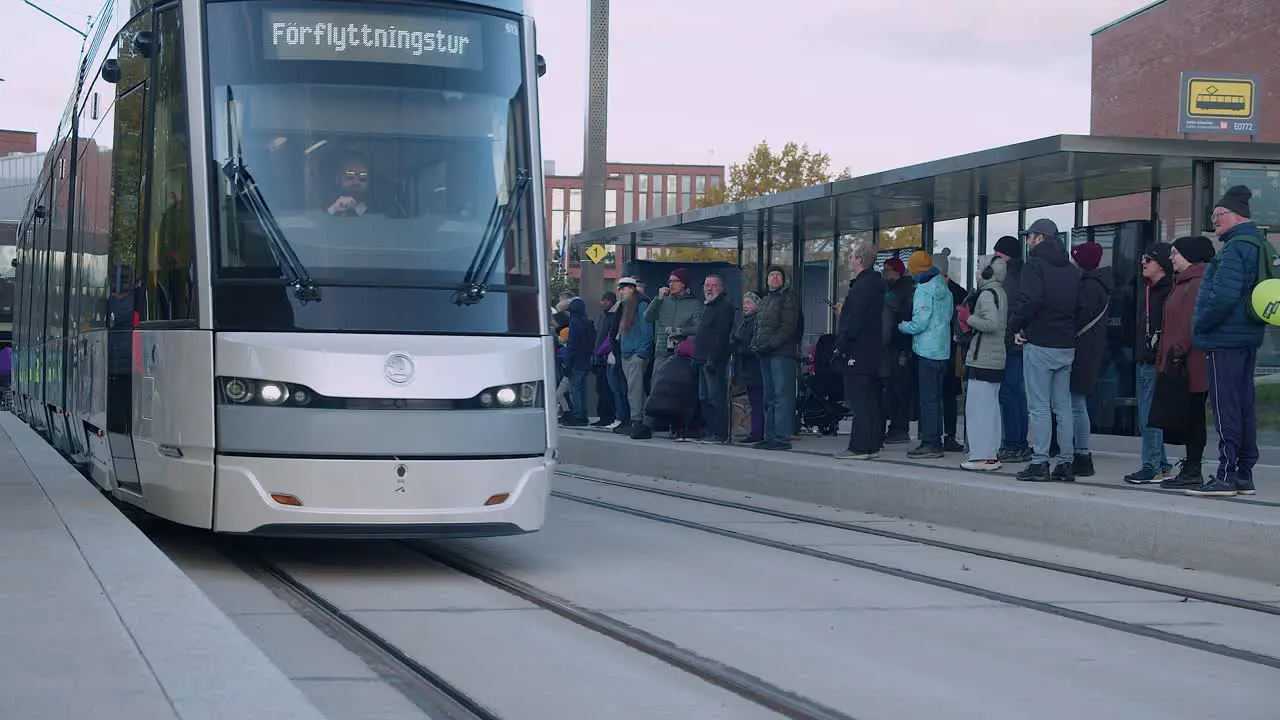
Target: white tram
x=284 y=271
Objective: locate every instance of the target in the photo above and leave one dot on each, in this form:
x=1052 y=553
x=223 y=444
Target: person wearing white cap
x=635 y=343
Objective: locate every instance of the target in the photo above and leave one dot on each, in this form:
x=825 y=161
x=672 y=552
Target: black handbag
x=1171 y=404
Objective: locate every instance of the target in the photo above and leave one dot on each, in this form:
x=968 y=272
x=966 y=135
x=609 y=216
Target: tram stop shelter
x=1138 y=190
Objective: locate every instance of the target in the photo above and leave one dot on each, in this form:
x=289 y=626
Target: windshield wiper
x=304 y=288
x=475 y=284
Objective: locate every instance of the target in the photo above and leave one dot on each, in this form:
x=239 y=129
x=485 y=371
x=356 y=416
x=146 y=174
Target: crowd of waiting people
x=1027 y=343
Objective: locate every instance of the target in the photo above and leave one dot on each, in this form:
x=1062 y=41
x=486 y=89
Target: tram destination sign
x=353 y=36
x=1219 y=104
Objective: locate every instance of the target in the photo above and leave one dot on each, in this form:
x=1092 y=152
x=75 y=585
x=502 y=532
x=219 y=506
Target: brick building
x=1137 y=65
x=634 y=192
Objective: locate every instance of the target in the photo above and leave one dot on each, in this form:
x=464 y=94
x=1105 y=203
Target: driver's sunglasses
x=361 y=175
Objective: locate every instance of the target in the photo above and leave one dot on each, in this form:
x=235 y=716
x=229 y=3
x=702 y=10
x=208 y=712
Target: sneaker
x=1015 y=456
x=1082 y=466
x=1146 y=476
x=925 y=452
x=601 y=422
x=711 y=440
x=950 y=445
x=772 y=445
x=617 y=424
x=1188 y=477
x=897 y=438
x=1244 y=483
x=981 y=465
x=855 y=455
x=1035 y=472
x=1215 y=486
x=642 y=432
x=1063 y=472
x=623 y=428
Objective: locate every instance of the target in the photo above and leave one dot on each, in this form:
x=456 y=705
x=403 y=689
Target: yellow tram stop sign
x=1220 y=97
x=596 y=253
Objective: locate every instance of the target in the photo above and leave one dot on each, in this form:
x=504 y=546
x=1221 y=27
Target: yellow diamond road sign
x=596 y=253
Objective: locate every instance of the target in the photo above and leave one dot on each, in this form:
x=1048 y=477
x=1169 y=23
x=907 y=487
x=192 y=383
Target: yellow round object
x=1266 y=301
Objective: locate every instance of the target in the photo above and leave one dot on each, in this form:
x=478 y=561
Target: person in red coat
x=1190 y=256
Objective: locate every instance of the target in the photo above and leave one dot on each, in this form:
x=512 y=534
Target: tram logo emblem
x=398 y=368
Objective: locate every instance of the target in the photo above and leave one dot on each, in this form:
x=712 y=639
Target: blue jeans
x=618 y=386
x=932 y=374
x=1153 y=457
x=1048 y=379
x=1013 y=404
x=578 y=393
x=1080 y=423
x=779 y=396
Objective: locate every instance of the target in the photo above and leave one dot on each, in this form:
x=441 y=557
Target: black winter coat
x=1012 y=281
x=715 y=333
x=1152 y=315
x=859 y=331
x=746 y=366
x=1044 y=310
x=1091 y=347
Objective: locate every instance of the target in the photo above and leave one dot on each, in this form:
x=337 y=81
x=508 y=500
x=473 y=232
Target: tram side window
x=126 y=206
x=170 y=280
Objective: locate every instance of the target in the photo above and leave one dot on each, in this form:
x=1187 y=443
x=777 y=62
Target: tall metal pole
x=596 y=147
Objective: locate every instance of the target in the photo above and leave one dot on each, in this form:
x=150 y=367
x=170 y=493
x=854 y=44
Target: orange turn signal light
x=497 y=499
x=284 y=499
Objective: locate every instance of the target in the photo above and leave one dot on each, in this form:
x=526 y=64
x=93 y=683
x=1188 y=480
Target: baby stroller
x=674 y=397
x=821 y=397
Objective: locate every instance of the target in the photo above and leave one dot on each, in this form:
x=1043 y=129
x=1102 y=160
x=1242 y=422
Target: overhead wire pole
x=595 y=149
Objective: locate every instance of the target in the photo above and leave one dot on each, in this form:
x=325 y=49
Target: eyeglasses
x=356 y=174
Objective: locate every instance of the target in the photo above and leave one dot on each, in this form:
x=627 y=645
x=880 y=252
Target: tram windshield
x=382 y=144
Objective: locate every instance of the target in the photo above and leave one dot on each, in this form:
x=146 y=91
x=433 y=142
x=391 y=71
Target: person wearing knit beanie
x=895 y=265
x=1224 y=327
x=1009 y=246
x=1087 y=255
x=919 y=262
x=1195 y=248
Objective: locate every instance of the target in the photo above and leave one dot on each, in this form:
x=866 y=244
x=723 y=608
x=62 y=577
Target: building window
x=610 y=208
x=644 y=183
x=627 y=199
x=671 y=204
x=700 y=185
x=575 y=200
x=715 y=181
x=642 y=212
x=628 y=182
x=671 y=184
x=557 y=199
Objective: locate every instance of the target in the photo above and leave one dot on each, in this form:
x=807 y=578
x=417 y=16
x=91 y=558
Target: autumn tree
x=765 y=173
x=900 y=238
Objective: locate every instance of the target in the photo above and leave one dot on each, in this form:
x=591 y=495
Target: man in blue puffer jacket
x=930 y=331
x=1222 y=328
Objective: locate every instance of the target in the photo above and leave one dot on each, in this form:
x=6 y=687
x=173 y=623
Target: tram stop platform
x=1233 y=536
x=97 y=622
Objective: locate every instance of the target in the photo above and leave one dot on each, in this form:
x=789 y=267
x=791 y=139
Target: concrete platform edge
x=1238 y=541
x=204 y=664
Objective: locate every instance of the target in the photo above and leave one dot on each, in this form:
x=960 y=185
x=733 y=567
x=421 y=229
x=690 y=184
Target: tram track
x=1136 y=583
x=739 y=682
x=1130 y=628
x=430 y=693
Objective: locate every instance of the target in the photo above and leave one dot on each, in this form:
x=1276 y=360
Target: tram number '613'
x=400 y=482
x=1242 y=126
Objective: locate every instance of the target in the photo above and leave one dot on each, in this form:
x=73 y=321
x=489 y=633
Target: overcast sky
x=876 y=83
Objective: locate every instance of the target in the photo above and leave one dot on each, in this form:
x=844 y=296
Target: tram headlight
x=237 y=390
x=506 y=397
x=501 y=397
x=273 y=393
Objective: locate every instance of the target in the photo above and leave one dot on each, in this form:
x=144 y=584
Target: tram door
x=1114 y=407
x=123 y=351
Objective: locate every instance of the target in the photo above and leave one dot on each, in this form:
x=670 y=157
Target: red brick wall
x=15 y=141
x=1137 y=67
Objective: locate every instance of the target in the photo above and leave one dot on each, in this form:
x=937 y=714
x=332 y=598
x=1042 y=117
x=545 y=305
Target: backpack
x=1268 y=269
x=964 y=337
